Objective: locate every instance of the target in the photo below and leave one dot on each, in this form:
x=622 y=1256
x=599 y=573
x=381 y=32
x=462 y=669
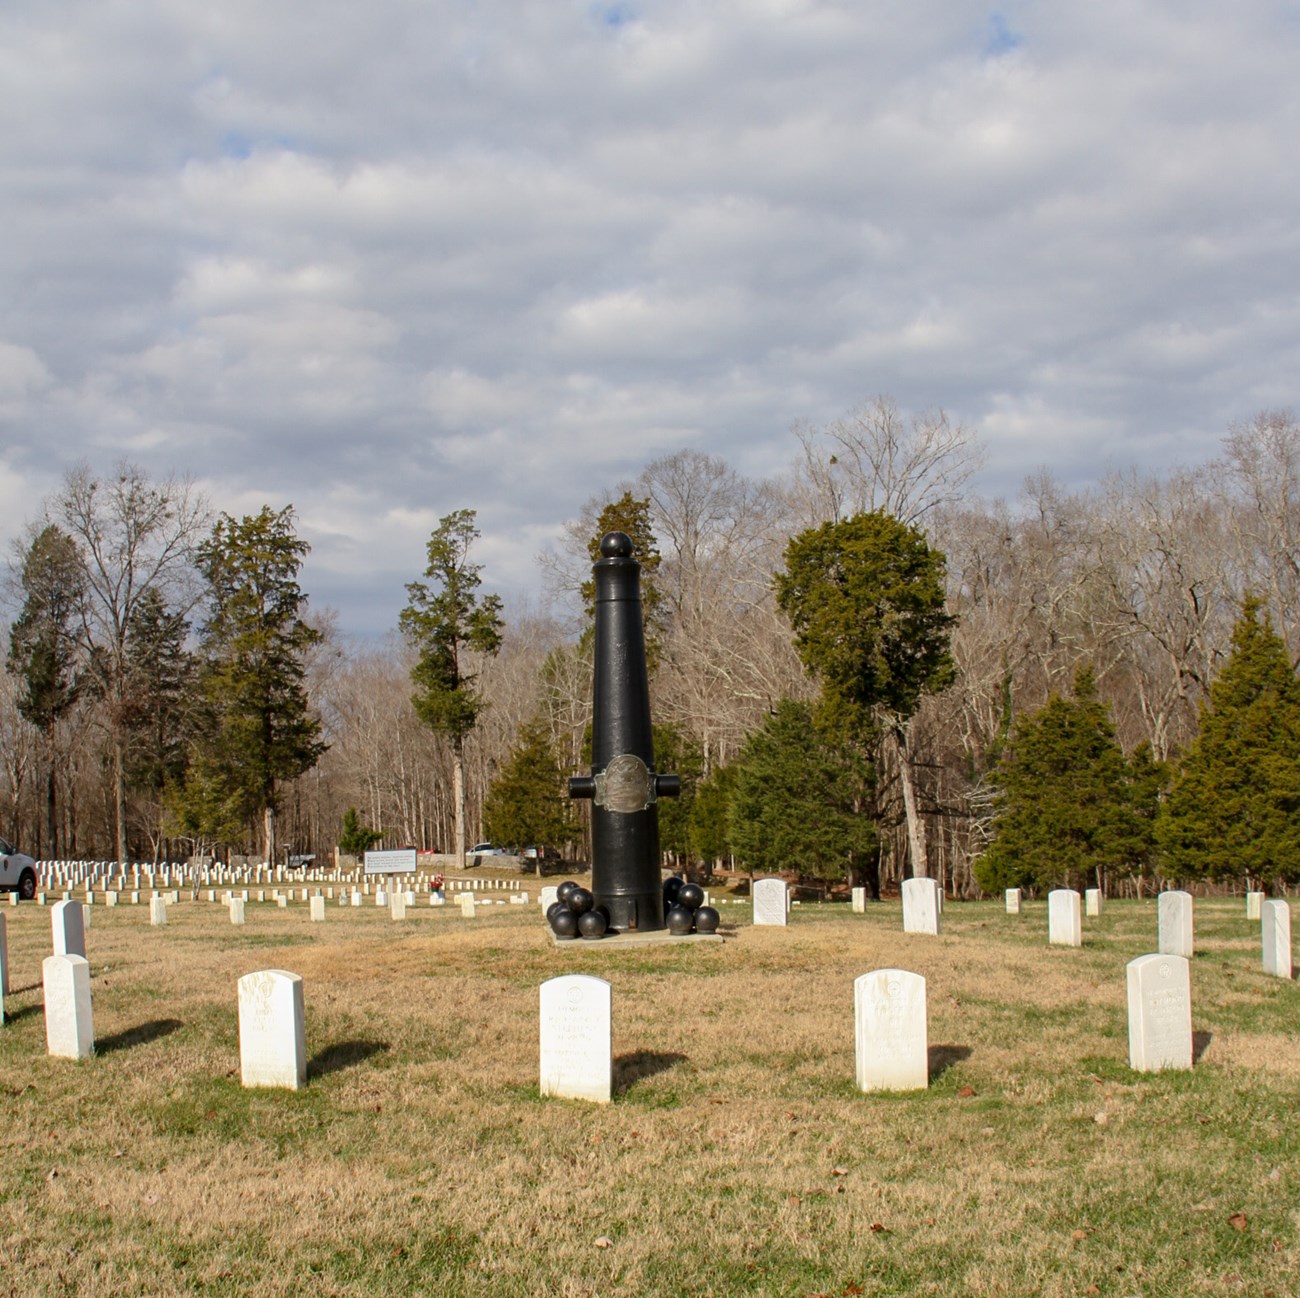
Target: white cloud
x=389 y=261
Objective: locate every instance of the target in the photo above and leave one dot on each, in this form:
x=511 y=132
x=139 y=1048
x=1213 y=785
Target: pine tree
x=1234 y=808
x=446 y=622
x=1070 y=807
x=528 y=800
x=794 y=804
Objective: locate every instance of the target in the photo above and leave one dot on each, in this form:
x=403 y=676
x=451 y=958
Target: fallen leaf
x=966 y=1092
x=1092 y=1289
x=1079 y=1234
x=852 y=1290
x=793 y=1199
x=1237 y=1221
x=604 y=1242
x=877 y=1228
x=839 y=1171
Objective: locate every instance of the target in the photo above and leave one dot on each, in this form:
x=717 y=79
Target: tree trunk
x=51 y=817
x=119 y=789
x=458 y=797
x=268 y=833
x=915 y=825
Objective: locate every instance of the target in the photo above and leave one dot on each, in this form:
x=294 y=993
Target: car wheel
x=27 y=885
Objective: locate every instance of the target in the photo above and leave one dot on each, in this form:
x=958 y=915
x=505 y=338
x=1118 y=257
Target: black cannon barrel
x=623 y=786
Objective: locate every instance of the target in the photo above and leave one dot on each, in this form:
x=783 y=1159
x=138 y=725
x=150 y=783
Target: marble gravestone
x=4 y=959
x=920 y=906
x=69 y=926
x=576 y=1038
x=1159 y=1013
x=272 y=1030
x=237 y=910
x=771 y=902
x=157 y=911
x=1254 y=905
x=466 y=900
x=859 y=898
x=1064 y=921
x=549 y=896
x=69 y=1027
x=397 y=905
x=1174 y=920
x=316 y=907
x=890 y=1035
x=1092 y=902
x=1013 y=901
x=1275 y=929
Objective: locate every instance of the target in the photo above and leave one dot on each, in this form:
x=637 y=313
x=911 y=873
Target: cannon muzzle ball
x=623 y=785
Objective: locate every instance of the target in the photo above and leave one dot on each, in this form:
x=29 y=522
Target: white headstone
x=110 y=899
x=1254 y=905
x=1092 y=901
x=1275 y=928
x=381 y=897
x=356 y=897
x=859 y=901
x=771 y=901
x=272 y=1030
x=467 y=905
x=1064 y=918
x=4 y=959
x=317 y=905
x=157 y=911
x=1174 y=918
x=69 y=1027
x=1013 y=901
x=577 y=1060
x=237 y=905
x=549 y=897
x=1159 y=1013
x=890 y=1031
x=920 y=906
x=69 y=925
x=397 y=905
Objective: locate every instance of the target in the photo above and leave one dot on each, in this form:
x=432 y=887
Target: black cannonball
x=564 y=924
x=707 y=920
x=690 y=895
x=592 y=923
x=563 y=891
x=680 y=921
x=552 y=908
x=580 y=901
x=672 y=886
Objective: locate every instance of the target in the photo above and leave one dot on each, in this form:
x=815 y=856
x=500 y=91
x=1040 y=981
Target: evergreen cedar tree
x=1070 y=808
x=1234 y=808
x=43 y=654
x=445 y=620
x=865 y=596
x=257 y=728
x=794 y=801
x=356 y=839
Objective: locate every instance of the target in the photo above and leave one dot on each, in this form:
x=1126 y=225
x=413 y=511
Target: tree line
x=863 y=670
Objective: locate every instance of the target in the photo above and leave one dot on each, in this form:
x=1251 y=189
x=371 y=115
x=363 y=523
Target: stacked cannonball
x=574 y=913
x=684 y=908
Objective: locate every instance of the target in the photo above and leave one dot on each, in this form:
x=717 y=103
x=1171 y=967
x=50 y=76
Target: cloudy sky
x=382 y=261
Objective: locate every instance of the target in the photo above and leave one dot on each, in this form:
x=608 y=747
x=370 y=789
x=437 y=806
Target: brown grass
x=736 y=1158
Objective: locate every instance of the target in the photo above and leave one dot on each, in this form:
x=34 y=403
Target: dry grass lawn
x=737 y=1157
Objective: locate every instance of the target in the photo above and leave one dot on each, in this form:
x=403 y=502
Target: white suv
x=17 y=872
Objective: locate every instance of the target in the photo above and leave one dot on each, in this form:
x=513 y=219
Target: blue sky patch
x=1000 y=38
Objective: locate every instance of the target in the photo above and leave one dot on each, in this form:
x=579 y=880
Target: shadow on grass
x=630 y=1069
x=343 y=1054
x=942 y=1058
x=13 y=1015
x=16 y=991
x=137 y=1036
x=1200 y=1044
